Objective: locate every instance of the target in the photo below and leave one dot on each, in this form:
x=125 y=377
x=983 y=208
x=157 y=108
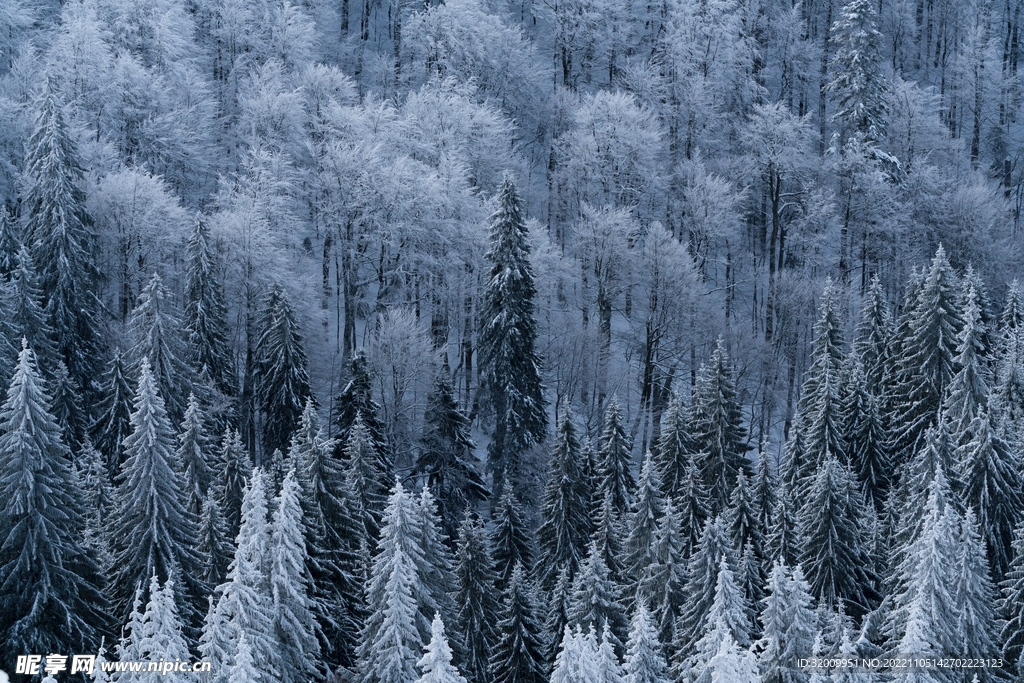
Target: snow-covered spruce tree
x=152 y=528
x=356 y=400
x=436 y=662
x=733 y=664
x=510 y=538
x=366 y=477
x=1011 y=606
x=645 y=657
x=437 y=571
x=114 y=409
x=244 y=669
x=158 y=634
x=557 y=613
x=826 y=353
x=213 y=546
x=782 y=543
x=675 y=447
x=661 y=584
x=858 y=84
x=395 y=579
x=766 y=493
x=967 y=393
x=976 y=597
x=614 y=461
x=232 y=469
x=741 y=518
x=863 y=433
x=446 y=458
x=595 y=602
x=643 y=522
x=990 y=472
x=787 y=623
x=156 y=336
x=206 y=312
x=609 y=536
x=565 y=508
x=835 y=553
x=59 y=234
x=23 y=301
x=475 y=599
x=50 y=600
x=701 y=572
x=717 y=430
x=10 y=244
x=909 y=500
x=67 y=409
x=195 y=456
x=281 y=377
x=871 y=342
x=693 y=506
x=606 y=664
x=517 y=657
x=1007 y=399
x=294 y=626
x=510 y=385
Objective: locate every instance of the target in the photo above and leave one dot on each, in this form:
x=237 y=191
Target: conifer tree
x=50 y=601
x=10 y=244
x=675 y=450
x=366 y=475
x=1011 y=606
x=1007 y=399
x=826 y=353
x=565 y=508
x=446 y=458
x=609 y=535
x=733 y=664
x=606 y=662
x=152 y=528
x=244 y=669
x=59 y=234
x=557 y=617
x=67 y=408
x=787 y=622
x=741 y=518
x=782 y=541
x=194 y=456
x=645 y=659
x=436 y=662
x=975 y=594
x=909 y=500
x=765 y=491
x=728 y=619
x=595 y=603
x=701 y=572
x=115 y=409
x=874 y=329
x=213 y=546
x=510 y=384
x=294 y=625
x=643 y=522
x=155 y=332
x=614 y=460
x=661 y=584
x=356 y=400
x=967 y=393
x=159 y=633
x=717 y=428
x=23 y=301
x=517 y=657
x=436 y=573
x=234 y=466
x=475 y=599
x=574 y=662
x=863 y=433
x=206 y=312
x=510 y=538
x=858 y=83
x=281 y=376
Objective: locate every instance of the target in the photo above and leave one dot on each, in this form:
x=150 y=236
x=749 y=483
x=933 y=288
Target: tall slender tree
x=510 y=538
x=614 y=460
x=518 y=657
x=206 y=312
x=475 y=599
x=115 y=409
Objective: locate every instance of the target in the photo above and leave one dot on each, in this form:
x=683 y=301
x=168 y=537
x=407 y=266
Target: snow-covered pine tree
x=510 y=538
x=693 y=506
x=59 y=233
x=51 y=601
x=244 y=669
x=557 y=613
x=606 y=663
x=366 y=477
x=826 y=354
x=298 y=648
x=967 y=393
x=10 y=244
x=437 y=571
x=517 y=657
x=356 y=400
x=976 y=598
x=643 y=522
x=787 y=623
x=596 y=603
x=281 y=380
x=874 y=329
x=863 y=432
x=206 y=312
x=156 y=336
x=614 y=461
x=67 y=409
x=858 y=82
x=795 y=467
x=436 y=662
x=675 y=450
x=717 y=430
x=475 y=598
x=572 y=664
x=661 y=584
x=701 y=572
x=1007 y=398
x=741 y=519
x=23 y=301
x=213 y=546
x=782 y=542
x=733 y=664
x=195 y=456
x=510 y=384
x=233 y=468
x=909 y=499
x=765 y=493
x=565 y=526
x=115 y=409
x=645 y=657
x=990 y=472
x=152 y=528
x=446 y=458
x=609 y=535
x=835 y=553
x=160 y=636
x=1011 y=606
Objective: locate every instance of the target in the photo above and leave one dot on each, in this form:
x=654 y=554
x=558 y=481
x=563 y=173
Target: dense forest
x=503 y=341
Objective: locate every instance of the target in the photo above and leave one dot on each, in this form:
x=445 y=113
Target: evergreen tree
x=49 y=597
x=10 y=244
x=872 y=336
x=159 y=633
x=741 y=518
x=783 y=544
x=294 y=625
x=475 y=599
x=645 y=660
x=59 y=234
x=858 y=82
x=643 y=522
x=826 y=353
x=510 y=538
x=717 y=428
x=366 y=476
x=701 y=572
x=728 y=620
x=765 y=493
x=436 y=573
x=977 y=627
x=233 y=467
x=733 y=664
x=694 y=508
x=595 y=603
x=446 y=458
x=992 y=485
x=608 y=669
x=614 y=460
x=281 y=377
x=565 y=508
x=910 y=499
x=517 y=656
x=1011 y=606
x=787 y=622
x=114 y=422
x=661 y=585
x=608 y=536
x=510 y=384
x=575 y=663
x=67 y=409
x=23 y=302
x=152 y=528
x=557 y=617
x=863 y=433
x=436 y=662
x=213 y=546
x=206 y=312
x=967 y=393
x=675 y=450
x=244 y=669
x=1007 y=399
x=356 y=400
x=194 y=455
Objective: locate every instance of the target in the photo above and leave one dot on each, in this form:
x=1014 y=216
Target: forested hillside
x=512 y=341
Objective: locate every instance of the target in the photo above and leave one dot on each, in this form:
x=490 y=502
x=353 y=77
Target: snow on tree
x=702 y=571
x=741 y=518
x=59 y=234
x=194 y=456
x=10 y=244
x=614 y=460
x=356 y=400
x=565 y=508
x=967 y=393
x=1011 y=605
x=863 y=432
x=153 y=530
x=975 y=594
x=643 y=522
x=366 y=478
x=783 y=544
x=446 y=458
x=158 y=634
x=115 y=409
x=858 y=84
x=645 y=658
x=213 y=546
x=693 y=506
x=576 y=661
x=517 y=656
x=595 y=602
x=51 y=600
x=661 y=584
x=675 y=450
x=437 y=569
x=510 y=538
x=436 y=662
x=156 y=335
x=765 y=492
x=606 y=663
x=206 y=312
x=23 y=302
x=788 y=627
x=557 y=617
x=244 y=669
x=510 y=385
x=475 y=598
x=717 y=429
x=294 y=624
x=609 y=535
x=826 y=353
x=232 y=469
x=909 y=500
x=67 y=408
x=733 y=664
x=871 y=343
